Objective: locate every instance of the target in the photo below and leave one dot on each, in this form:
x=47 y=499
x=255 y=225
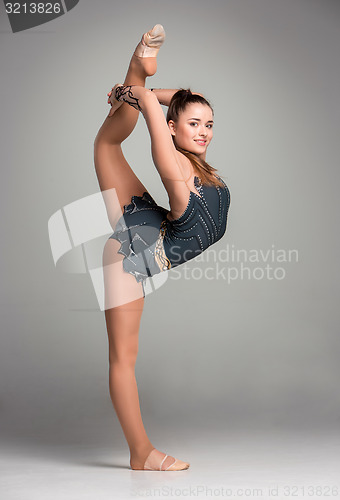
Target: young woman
x=147 y=238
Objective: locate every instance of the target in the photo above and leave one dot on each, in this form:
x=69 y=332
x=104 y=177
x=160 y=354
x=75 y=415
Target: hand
x=113 y=101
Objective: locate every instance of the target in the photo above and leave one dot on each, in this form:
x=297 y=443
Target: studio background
x=239 y=356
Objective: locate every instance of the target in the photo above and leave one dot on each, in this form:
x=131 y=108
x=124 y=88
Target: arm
x=164 y=153
x=162 y=147
x=164 y=96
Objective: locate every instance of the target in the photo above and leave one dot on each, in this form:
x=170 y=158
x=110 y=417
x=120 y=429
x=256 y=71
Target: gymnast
x=147 y=238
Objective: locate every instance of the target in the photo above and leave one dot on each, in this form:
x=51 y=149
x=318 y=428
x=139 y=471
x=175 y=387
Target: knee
x=122 y=359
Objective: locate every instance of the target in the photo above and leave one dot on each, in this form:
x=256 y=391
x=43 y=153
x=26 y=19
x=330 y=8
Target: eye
x=209 y=126
x=193 y=123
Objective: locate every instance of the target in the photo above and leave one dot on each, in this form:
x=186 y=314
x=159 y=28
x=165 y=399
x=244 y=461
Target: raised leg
x=112 y=169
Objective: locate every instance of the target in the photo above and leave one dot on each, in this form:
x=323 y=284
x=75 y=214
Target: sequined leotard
x=151 y=243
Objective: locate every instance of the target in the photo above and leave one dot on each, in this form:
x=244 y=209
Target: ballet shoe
x=157 y=460
x=151 y=42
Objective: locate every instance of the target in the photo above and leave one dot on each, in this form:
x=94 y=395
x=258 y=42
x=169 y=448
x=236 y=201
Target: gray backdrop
x=250 y=352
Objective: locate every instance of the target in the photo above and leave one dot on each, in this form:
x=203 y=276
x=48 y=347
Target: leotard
x=151 y=243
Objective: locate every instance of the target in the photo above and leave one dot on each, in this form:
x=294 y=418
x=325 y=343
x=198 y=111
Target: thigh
x=120 y=287
x=116 y=179
x=123 y=306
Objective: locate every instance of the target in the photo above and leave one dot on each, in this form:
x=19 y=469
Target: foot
x=157 y=460
x=151 y=42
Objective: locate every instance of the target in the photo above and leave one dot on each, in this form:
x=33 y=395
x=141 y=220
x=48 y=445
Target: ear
x=172 y=127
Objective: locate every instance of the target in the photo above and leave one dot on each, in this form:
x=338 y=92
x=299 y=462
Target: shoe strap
x=160 y=467
x=173 y=463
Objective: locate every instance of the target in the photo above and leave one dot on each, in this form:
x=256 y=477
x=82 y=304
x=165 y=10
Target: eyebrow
x=198 y=119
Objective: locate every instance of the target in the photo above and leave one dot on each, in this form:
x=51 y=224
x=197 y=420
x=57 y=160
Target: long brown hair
x=180 y=100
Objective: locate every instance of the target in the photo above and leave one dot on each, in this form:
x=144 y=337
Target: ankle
x=143 y=66
x=137 y=67
x=141 y=451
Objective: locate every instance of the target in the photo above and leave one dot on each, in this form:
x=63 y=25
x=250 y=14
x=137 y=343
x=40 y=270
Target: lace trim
x=160 y=256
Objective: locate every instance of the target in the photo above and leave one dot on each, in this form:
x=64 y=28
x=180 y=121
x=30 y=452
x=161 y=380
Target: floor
x=225 y=463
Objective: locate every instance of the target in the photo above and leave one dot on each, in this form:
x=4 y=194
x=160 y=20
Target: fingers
x=113 y=101
x=114 y=106
x=110 y=100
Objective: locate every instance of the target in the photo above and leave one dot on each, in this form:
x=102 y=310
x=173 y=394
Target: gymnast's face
x=194 y=129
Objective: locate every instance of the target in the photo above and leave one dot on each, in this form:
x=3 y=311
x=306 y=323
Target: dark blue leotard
x=151 y=243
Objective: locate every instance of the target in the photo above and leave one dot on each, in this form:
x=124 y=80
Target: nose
x=203 y=131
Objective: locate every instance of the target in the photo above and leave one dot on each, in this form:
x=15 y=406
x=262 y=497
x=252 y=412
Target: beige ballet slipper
x=155 y=461
x=151 y=42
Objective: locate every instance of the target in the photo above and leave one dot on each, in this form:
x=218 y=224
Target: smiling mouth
x=201 y=143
